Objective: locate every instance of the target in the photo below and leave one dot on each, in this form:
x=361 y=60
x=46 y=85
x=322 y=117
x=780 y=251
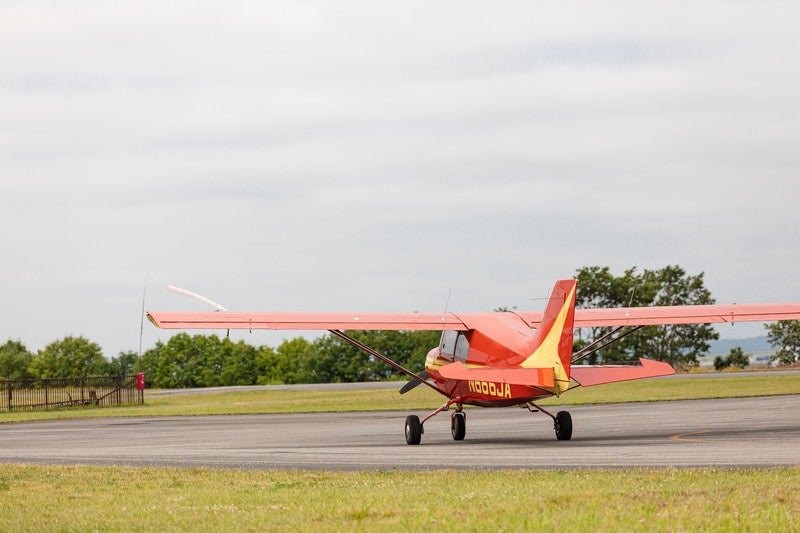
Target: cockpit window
x=462 y=347
x=454 y=343
x=448 y=344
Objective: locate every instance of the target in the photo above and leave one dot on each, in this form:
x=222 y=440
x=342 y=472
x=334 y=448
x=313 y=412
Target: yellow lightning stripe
x=546 y=355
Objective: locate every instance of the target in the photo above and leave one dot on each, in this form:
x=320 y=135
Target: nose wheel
x=413 y=430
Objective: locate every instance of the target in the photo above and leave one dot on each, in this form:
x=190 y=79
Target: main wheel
x=413 y=429
x=458 y=426
x=563 y=425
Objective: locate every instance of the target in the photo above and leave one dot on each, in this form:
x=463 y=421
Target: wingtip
x=153 y=320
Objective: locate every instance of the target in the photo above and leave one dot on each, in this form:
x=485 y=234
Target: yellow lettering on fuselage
x=489 y=388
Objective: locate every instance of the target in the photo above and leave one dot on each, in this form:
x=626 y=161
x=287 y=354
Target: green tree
x=269 y=367
x=70 y=357
x=736 y=357
x=165 y=364
x=339 y=361
x=677 y=344
x=147 y=364
x=178 y=363
x=288 y=363
x=227 y=363
x=123 y=364
x=784 y=336
x=599 y=288
x=336 y=361
x=199 y=361
x=15 y=360
x=330 y=359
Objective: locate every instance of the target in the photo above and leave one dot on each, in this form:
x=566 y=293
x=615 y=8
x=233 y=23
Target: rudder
x=554 y=337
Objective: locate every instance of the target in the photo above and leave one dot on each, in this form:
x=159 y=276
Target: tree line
x=208 y=360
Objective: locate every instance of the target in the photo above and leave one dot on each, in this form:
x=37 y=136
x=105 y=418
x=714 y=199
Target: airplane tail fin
x=553 y=339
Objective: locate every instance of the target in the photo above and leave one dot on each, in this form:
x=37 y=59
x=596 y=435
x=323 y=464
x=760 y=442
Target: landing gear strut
x=562 y=421
x=458 y=422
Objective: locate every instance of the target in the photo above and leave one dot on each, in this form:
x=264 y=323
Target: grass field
x=79 y=498
x=46 y=498
x=279 y=401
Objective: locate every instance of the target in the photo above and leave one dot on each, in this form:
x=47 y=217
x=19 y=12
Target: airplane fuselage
x=479 y=392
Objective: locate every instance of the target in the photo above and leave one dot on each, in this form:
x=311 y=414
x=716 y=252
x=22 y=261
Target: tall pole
x=141 y=324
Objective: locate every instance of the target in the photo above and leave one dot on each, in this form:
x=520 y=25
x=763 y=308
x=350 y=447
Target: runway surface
x=729 y=432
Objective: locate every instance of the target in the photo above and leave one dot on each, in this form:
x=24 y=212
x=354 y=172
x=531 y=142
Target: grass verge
x=282 y=401
x=57 y=498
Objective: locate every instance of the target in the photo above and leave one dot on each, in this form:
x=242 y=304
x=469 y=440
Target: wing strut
x=378 y=355
x=590 y=349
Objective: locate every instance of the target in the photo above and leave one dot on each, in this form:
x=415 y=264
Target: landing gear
x=413 y=430
x=563 y=425
x=458 y=425
x=562 y=421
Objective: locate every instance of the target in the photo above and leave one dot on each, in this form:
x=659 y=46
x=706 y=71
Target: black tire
x=458 y=426
x=413 y=430
x=563 y=425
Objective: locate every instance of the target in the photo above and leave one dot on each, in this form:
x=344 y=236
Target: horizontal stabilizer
x=531 y=377
x=587 y=376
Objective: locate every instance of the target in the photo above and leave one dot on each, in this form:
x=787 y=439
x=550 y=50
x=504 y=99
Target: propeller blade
x=414 y=383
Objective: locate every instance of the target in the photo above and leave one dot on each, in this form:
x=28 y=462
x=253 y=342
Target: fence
x=50 y=393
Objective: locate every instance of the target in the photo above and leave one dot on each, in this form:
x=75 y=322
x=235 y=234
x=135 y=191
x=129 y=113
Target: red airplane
x=498 y=359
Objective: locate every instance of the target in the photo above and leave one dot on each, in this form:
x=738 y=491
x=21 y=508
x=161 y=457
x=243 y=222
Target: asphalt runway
x=731 y=432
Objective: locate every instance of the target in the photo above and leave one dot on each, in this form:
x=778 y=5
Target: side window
x=462 y=347
x=448 y=344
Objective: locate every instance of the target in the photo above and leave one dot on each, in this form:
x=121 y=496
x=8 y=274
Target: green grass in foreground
x=422 y=398
x=49 y=498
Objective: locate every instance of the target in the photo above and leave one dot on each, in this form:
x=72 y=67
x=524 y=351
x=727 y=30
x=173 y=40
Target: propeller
x=414 y=383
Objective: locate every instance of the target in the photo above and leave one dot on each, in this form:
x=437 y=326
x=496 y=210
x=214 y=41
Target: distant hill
x=752 y=344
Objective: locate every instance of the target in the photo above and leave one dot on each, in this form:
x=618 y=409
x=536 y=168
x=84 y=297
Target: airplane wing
x=630 y=316
x=306 y=321
x=679 y=314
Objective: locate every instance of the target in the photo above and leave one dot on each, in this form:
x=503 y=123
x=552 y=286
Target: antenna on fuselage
x=545 y=298
x=447 y=304
x=633 y=291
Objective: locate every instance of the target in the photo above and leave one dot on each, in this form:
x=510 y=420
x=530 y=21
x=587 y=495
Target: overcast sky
x=372 y=156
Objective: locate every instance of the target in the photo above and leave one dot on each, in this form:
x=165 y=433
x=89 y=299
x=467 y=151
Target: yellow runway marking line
x=687 y=437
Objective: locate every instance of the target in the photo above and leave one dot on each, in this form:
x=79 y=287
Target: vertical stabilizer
x=553 y=338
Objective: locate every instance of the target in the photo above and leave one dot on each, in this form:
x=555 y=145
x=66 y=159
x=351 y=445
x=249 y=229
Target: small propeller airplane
x=499 y=359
